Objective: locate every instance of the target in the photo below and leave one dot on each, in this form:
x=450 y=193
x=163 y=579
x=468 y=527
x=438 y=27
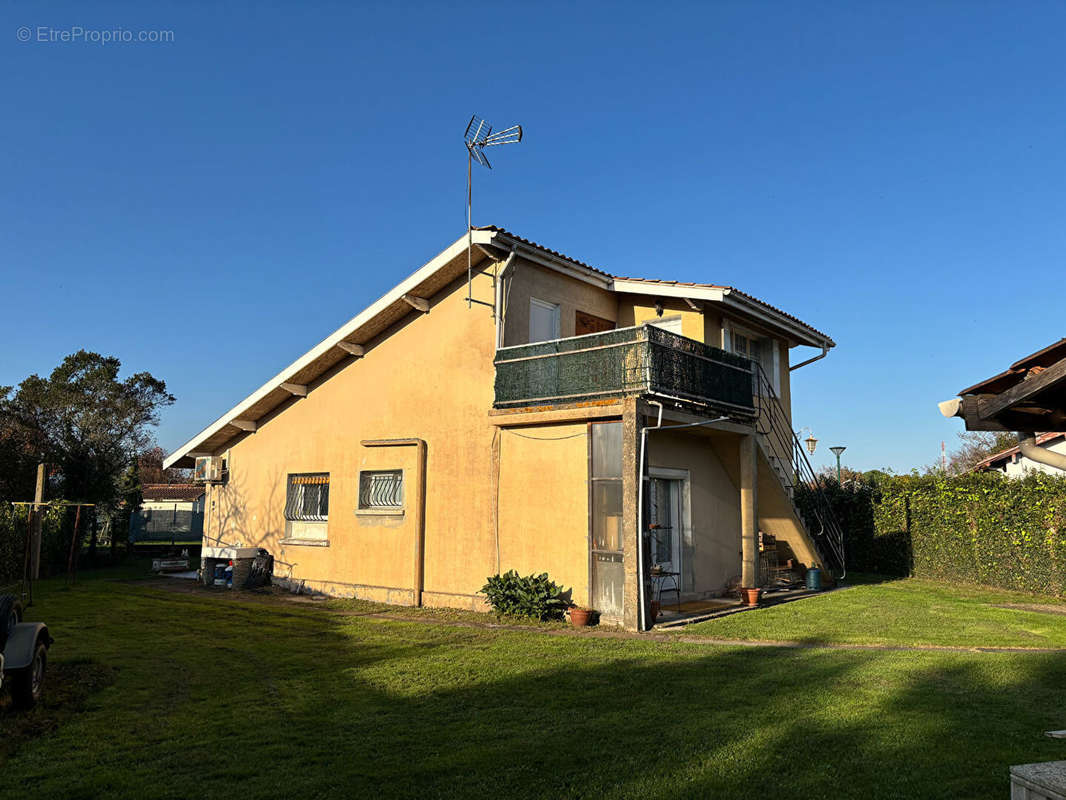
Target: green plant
x=530 y=597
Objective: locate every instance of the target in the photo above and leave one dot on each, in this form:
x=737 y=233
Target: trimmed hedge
x=983 y=529
x=977 y=528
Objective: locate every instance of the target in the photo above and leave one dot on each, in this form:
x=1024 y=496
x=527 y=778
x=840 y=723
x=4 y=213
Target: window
x=381 y=490
x=762 y=350
x=307 y=498
x=543 y=321
x=605 y=510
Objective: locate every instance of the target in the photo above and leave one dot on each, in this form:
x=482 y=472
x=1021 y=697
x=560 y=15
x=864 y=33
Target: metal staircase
x=789 y=462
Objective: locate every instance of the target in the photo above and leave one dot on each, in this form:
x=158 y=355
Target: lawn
x=156 y=693
x=904 y=612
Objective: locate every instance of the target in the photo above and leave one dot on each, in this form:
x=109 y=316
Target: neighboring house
x=1013 y=464
x=430 y=442
x=169 y=514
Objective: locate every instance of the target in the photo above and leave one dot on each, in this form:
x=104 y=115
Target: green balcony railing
x=627 y=361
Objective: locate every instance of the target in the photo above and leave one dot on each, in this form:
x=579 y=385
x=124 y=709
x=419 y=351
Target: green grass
x=902 y=612
x=155 y=693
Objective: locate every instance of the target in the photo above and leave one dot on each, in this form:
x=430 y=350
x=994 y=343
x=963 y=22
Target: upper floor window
x=543 y=321
x=761 y=349
x=307 y=497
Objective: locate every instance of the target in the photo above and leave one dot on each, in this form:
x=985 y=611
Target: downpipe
x=1028 y=447
x=498 y=311
x=642 y=593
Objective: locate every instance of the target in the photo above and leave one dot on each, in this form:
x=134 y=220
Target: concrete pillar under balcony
x=631 y=423
x=749 y=517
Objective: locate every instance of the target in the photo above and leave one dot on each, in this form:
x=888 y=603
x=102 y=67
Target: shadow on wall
x=232 y=520
x=357 y=707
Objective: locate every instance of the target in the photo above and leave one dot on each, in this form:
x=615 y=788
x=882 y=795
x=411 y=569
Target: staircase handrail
x=772 y=417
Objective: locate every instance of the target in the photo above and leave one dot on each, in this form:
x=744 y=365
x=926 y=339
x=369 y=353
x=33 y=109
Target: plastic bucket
x=814 y=579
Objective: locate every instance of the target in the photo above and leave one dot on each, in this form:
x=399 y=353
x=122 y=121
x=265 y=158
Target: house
x=1013 y=464
x=169 y=514
x=1028 y=397
x=430 y=441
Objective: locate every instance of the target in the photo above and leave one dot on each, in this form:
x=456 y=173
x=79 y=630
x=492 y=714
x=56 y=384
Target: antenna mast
x=478 y=136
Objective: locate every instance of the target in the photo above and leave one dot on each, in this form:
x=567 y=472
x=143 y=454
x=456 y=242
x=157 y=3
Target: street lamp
x=837 y=451
x=810 y=441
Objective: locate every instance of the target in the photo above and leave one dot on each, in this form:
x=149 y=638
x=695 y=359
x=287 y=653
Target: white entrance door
x=664 y=522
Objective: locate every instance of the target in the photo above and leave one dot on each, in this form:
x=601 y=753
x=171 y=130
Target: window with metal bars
x=307 y=497
x=381 y=489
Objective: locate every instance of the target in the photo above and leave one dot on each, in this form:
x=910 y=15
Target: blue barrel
x=814 y=579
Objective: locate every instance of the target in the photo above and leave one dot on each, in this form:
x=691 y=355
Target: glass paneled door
x=607 y=553
x=664 y=523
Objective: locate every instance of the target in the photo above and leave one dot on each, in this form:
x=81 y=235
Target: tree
x=976 y=447
x=18 y=465
x=150 y=468
x=86 y=422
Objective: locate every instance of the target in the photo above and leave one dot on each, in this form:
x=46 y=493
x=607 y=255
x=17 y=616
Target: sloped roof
x=427 y=282
x=652 y=283
x=731 y=290
x=172 y=491
x=1019 y=370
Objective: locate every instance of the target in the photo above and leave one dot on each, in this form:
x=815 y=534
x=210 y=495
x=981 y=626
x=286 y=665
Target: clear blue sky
x=210 y=208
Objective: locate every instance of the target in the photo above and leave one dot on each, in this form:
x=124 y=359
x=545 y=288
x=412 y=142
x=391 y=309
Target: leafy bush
x=869 y=547
x=978 y=528
x=983 y=528
x=531 y=597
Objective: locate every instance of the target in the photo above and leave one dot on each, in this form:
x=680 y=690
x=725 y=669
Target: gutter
x=419 y=555
x=825 y=352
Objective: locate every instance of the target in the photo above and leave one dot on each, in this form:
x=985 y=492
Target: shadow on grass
x=869 y=579
x=69 y=685
x=220 y=699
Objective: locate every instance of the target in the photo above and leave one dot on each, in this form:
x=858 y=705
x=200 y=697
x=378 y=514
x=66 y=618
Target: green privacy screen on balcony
x=628 y=361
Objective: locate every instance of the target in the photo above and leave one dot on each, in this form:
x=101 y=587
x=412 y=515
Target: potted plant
x=751 y=596
x=580 y=616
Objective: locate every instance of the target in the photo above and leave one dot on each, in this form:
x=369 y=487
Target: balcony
x=642 y=360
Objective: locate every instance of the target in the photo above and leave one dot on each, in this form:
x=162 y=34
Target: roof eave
x=797 y=331
x=195 y=445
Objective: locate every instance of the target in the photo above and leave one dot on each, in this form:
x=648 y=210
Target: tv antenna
x=478 y=136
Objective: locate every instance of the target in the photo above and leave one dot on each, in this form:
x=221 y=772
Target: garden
x=162 y=690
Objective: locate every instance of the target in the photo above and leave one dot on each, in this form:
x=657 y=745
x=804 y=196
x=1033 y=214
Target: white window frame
x=731 y=330
x=301 y=531
x=685 y=539
x=556 y=319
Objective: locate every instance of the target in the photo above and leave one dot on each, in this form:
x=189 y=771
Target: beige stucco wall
x=638 y=309
x=431 y=379
x=526 y=279
x=544 y=504
x=711 y=551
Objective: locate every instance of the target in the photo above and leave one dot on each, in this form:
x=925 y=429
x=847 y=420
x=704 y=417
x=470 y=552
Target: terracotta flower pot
x=579 y=617
x=751 y=596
